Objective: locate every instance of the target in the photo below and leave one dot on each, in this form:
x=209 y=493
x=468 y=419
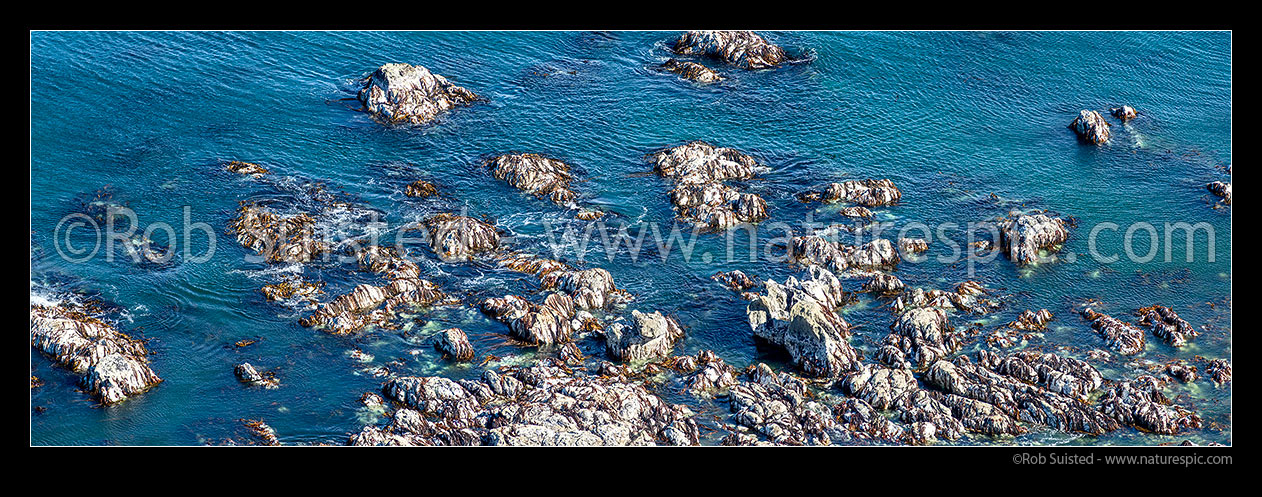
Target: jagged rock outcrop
x=420 y=188
x=261 y=431
x=918 y=338
x=590 y=288
x=546 y=404
x=1122 y=337
x=366 y=304
x=275 y=237
x=816 y=250
x=454 y=343
x=650 y=336
x=880 y=387
x=1222 y=190
x=1021 y=238
x=704 y=372
x=743 y=49
x=1030 y=320
x=1167 y=325
x=866 y=193
x=249 y=375
x=780 y=407
x=700 y=196
x=1181 y=371
x=550 y=322
x=885 y=284
x=968 y=296
x=692 y=71
x=1219 y=370
x=800 y=317
x=1125 y=112
x=1091 y=127
x=114 y=366
x=913 y=245
x=1141 y=404
x=536 y=175
x=458 y=238
x=403 y=93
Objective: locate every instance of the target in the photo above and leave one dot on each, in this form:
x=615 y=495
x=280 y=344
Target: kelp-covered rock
x=420 y=188
x=590 y=288
x=539 y=405
x=1219 y=370
x=651 y=336
x=969 y=296
x=780 y=407
x=700 y=196
x=799 y=316
x=534 y=174
x=736 y=280
x=918 y=338
x=1223 y=190
x=456 y=238
x=246 y=168
x=550 y=322
x=398 y=93
x=1181 y=371
x=275 y=237
x=454 y=343
x=1125 y=112
x=1141 y=404
x=816 y=250
x=293 y=287
x=366 y=304
x=881 y=387
x=858 y=211
x=913 y=245
x=1119 y=335
x=261 y=431
x=1021 y=238
x=866 y=193
x=1030 y=320
x=692 y=71
x=743 y=49
x=1091 y=127
x=251 y=376
x=1167 y=325
x=114 y=366
x=704 y=372
x=928 y=418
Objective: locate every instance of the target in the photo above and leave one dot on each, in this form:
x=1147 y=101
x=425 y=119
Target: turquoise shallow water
x=950 y=117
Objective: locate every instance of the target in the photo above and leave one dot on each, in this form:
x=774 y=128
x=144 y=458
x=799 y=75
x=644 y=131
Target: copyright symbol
x=1016 y=459
x=68 y=225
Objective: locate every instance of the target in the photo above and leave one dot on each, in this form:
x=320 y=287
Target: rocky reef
x=246 y=168
x=743 y=49
x=692 y=71
x=1119 y=335
x=403 y=93
x=1125 y=112
x=1167 y=325
x=367 y=304
x=866 y=193
x=114 y=366
x=919 y=337
x=546 y=404
x=420 y=189
x=459 y=238
x=1141 y=404
x=1023 y=236
x=700 y=195
x=247 y=374
x=552 y=321
x=454 y=343
x=816 y=250
x=275 y=237
x=650 y=336
x=1091 y=127
x=534 y=174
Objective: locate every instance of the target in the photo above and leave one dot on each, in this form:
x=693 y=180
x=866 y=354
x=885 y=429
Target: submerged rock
x=454 y=343
x=692 y=71
x=539 y=405
x=743 y=49
x=534 y=174
x=918 y=338
x=651 y=336
x=292 y=287
x=1022 y=238
x=1167 y=325
x=457 y=238
x=1121 y=336
x=397 y=93
x=736 y=280
x=247 y=374
x=261 y=431
x=420 y=188
x=1125 y=112
x=114 y=366
x=700 y=196
x=1223 y=190
x=1091 y=127
x=867 y=193
x=799 y=317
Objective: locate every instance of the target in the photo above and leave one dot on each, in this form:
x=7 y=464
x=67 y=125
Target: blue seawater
x=951 y=117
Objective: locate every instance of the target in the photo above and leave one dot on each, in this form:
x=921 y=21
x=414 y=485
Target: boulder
x=743 y=49
x=456 y=238
x=454 y=343
x=1021 y=238
x=1167 y=325
x=403 y=93
x=1091 y=127
x=246 y=168
x=535 y=174
x=1223 y=190
x=866 y=193
x=248 y=375
x=651 y=336
x=1125 y=112
x=420 y=188
x=692 y=71
x=113 y=366
x=1122 y=337
x=799 y=317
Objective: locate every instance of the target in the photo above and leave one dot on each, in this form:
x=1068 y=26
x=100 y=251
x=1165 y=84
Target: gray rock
x=1091 y=127
x=114 y=366
x=651 y=336
x=743 y=49
x=398 y=93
